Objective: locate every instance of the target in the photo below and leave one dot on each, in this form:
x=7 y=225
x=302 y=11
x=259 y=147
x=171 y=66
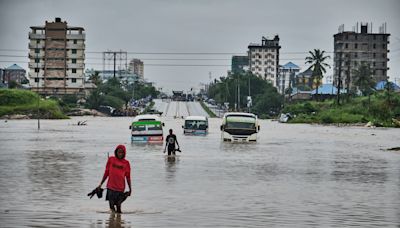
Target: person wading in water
x=170 y=143
x=117 y=170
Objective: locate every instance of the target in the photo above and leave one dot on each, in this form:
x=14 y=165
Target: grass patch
x=209 y=112
x=24 y=102
x=379 y=109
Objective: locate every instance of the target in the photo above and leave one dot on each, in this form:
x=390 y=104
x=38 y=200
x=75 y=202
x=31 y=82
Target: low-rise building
x=14 y=73
x=286 y=76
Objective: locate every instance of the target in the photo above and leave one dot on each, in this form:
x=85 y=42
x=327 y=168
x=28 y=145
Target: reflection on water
x=171 y=167
x=294 y=176
x=54 y=174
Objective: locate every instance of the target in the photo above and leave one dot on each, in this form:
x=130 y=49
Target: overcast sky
x=209 y=26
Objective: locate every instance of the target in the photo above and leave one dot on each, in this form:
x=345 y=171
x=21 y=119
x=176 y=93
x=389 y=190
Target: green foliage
x=266 y=99
x=363 y=79
x=209 y=112
x=298 y=108
x=112 y=101
x=358 y=110
x=16 y=97
x=116 y=94
x=25 y=103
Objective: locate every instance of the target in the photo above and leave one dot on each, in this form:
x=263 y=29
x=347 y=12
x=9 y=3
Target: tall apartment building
x=264 y=59
x=136 y=66
x=56 y=58
x=351 y=48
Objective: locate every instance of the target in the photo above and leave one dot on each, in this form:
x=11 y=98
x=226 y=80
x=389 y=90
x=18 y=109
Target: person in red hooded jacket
x=117 y=170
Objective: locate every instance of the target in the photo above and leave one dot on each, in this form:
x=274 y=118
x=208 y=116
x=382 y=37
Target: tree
x=318 y=65
x=364 y=81
x=95 y=78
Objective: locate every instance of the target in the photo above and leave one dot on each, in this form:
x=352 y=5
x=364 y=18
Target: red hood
x=120 y=147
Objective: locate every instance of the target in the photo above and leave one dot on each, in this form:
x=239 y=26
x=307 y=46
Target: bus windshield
x=153 y=127
x=138 y=128
x=240 y=122
x=196 y=124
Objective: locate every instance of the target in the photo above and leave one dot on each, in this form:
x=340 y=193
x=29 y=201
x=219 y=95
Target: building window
x=36 y=79
x=73 y=80
x=73 y=60
x=73 y=51
x=355 y=55
x=75 y=41
x=373 y=55
x=38 y=41
x=346 y=46
x=37 y=60
x=73 y=71
x=383 y=46
x=36 y=70
x=37 y=50
x=374 y=46
x=355 y=46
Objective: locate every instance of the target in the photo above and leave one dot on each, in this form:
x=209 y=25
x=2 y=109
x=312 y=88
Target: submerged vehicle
x=195 y=125
x=147 y=128
x=239 y=127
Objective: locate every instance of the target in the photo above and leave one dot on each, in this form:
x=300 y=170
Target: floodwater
x=294 y=176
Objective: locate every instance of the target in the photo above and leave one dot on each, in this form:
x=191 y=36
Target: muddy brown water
x=294 y=176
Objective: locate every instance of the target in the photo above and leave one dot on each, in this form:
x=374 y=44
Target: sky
x=163 y=32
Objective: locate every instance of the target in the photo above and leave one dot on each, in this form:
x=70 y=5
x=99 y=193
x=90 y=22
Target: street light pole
x=37 y=78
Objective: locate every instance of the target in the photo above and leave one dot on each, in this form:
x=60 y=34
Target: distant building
x=286 y=76
x=351 y=49
x=304 y=80
x=56 y=58
x=136 y=66
x=14 y=73
x=240 y=64
x=264 y=59
x=122 y=75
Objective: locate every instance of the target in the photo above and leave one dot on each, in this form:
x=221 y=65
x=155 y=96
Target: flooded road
x=294 y=176
x=179 y=109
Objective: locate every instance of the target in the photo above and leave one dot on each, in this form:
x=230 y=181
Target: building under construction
x=352 y=48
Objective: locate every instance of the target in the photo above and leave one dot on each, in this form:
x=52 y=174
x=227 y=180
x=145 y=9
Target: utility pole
x=339 y=78
x=115 y=60
x=238 y=94
x=37 y=78
x=348 y=77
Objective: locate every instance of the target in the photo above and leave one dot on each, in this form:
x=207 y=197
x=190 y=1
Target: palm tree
x=363 y=80
x=318 y=66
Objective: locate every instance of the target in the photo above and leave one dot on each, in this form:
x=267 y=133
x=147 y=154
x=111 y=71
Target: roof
x=307 y=72
x=381 y=85
x=14 y=67
x=146 y=117
x=326 y=89
x=295 y=90
x=196 y=118
x=239 y=114
x=290 y=65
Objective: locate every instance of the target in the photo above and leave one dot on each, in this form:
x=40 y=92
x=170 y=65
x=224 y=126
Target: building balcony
x=33 y=65
x=75 y=46
x=75 y=65
x=35 y=45
x=33 y=55
x=35 y=36
x=76 y=36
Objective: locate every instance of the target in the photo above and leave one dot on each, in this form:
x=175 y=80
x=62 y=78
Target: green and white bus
x=147 y=128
